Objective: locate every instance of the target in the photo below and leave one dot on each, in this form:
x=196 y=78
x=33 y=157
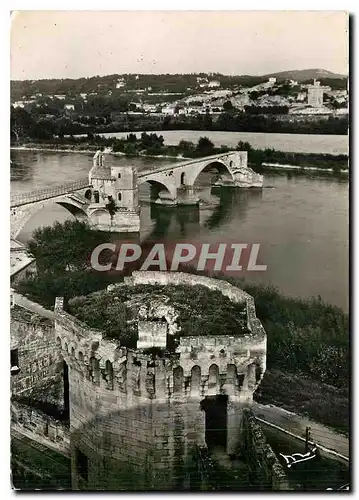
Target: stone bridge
x=70 y=196
x=175 y=182
x=172 y=184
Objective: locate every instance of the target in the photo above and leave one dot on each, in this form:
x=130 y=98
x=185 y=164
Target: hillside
x=305 y=74
x=157 y=83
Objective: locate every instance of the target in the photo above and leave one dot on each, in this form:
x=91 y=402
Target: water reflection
x=180 y=220
x=233 y=203
x=300 y=220
x=21 y=166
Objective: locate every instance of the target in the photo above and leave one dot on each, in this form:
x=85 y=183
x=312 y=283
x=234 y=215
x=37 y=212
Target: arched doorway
x=215 y=408
x=183 y=178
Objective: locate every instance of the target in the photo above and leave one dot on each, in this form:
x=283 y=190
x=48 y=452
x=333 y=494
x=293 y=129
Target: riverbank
x=152 y=146
x=68 y=149
x=277 y=167
x=304 y=396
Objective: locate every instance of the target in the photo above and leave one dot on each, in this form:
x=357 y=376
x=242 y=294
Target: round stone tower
x=136 y=415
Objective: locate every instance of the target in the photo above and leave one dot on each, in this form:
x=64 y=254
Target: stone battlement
x=201 y=365
x=234 y=293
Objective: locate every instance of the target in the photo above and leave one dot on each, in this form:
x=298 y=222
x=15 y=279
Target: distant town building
x=150 y=108
x=315 y=94
x=120 y=83
x=19 y=104
x=23 y=103
x=169 y=110
x=301 y=96
x=272 y=80
x=214 y=83
x=69 y=107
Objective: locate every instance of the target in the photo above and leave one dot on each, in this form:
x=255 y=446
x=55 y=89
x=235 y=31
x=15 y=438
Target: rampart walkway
x=296 y=424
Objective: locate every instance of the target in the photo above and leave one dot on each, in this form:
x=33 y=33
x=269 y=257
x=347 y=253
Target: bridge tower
x=114 y=203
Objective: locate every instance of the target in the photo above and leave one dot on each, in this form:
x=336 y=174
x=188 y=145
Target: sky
x=74 y=44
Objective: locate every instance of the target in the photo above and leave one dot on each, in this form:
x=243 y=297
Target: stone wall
x=124 y=220
x=266 y=471
x=40 y=427
x=24 y=273
x=39 y=359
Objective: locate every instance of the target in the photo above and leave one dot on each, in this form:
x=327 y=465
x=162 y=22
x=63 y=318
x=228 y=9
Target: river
x=300 y=221
x=294 y=143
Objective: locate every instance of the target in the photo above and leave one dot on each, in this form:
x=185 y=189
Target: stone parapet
x=202 y=365
x=40 y=427
x=266 y=471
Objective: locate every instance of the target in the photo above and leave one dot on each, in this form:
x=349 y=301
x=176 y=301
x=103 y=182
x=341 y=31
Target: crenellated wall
x=141 y=413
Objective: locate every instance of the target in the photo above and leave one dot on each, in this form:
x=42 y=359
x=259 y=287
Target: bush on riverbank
x=305 y=336
x=318 y=401
x=256 y=157
x=44 y=288
x=63 y=246
x=153 y=145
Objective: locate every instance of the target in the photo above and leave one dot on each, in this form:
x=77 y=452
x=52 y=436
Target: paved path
x=297 y=424
x=22 y=301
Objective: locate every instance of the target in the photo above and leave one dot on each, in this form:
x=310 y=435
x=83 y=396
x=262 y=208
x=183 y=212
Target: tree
x=228 y=106
x=244 y=146
x=65 y=246
x=131 y=138
x=111 y=206
x=186 y=147
x=44 y=288
x=151 y=140
x=205 y=146
x=21 y=123
x=207 y=121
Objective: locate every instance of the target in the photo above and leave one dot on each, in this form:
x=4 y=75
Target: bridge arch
x=221 y=167
x=157 y=187
x=22 y=214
